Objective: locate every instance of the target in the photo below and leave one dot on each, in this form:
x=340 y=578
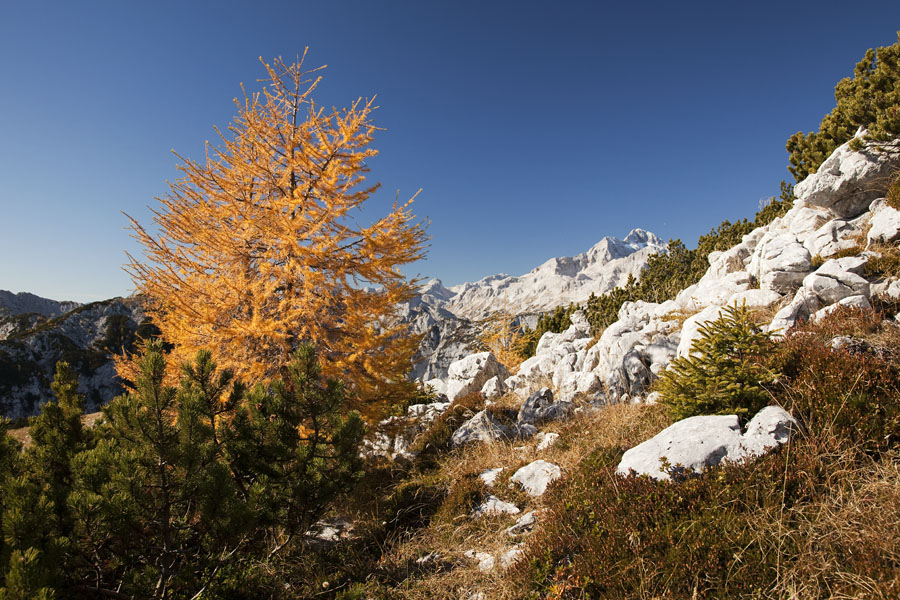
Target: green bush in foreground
x=725 y=371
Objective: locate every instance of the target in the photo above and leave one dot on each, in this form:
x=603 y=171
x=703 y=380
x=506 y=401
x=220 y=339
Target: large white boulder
x=697 y=443
x=780 y=262
x=690 y=331
x=770 y=428
x=832 y=237
x=838 y=278
x=848 y=180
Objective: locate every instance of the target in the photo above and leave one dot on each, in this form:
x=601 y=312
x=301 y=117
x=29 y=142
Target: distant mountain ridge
x=558 y=281
x=447 y=317
x=26 y=303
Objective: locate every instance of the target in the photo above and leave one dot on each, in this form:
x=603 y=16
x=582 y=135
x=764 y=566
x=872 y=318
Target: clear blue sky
x=533 y=128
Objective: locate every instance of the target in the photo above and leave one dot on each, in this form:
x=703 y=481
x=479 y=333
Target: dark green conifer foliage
x=871 y=99
x=26 y=577
x=37 y=523
x=725 y=372
x=57 y=435
x=160 y=510
x=293 y=445
x=9 y=470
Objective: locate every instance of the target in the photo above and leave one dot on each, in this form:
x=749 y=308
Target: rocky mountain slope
x=85 y=337
x=797 y=267
x=517 y=436
x=448 y=317
x=800 y=266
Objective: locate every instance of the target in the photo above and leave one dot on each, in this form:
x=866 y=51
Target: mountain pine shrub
x=871 y=99
x=725 y=371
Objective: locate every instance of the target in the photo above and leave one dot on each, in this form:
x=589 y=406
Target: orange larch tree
x=258 y=251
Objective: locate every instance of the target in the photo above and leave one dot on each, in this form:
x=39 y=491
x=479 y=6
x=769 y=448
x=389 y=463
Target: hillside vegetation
x=200 y=484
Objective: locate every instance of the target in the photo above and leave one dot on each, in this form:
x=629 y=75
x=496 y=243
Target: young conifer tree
x=259 y=251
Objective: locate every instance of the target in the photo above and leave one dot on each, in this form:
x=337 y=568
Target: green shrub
x=725 y=372
x=871 y=99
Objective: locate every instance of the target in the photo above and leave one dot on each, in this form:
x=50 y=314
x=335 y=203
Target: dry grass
x=841 y=543
x=679 y=316
x=619 y=425
x=893 y=194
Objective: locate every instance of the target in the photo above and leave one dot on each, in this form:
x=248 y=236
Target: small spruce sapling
x=725 y=372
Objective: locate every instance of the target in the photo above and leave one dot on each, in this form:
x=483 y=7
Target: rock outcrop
x=773 y=269
x=448 y=317
x=697 y=443
x=85 y=337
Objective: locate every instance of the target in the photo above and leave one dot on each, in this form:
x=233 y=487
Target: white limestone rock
x=469 y=374
x=847 y=181
x=729 y=261
x=837 y=279
x=536 y=476
x=697 y=443
x=331 y=531
x=690 y=331
x=493 y=388
x=482 y=427
x=545 y=440
x=804 y=219
x=486 y=562
x=712 y=290
x=780 y=262
x=859 y=302
x=691 y=445
x=489 y=476
x=755 y=299
x=525 y=524
x=830 y=238
x=493 y=505
x=770 y=428
x=540 y=407
x=885 y=222
x=425 y=414
x=804 y=304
